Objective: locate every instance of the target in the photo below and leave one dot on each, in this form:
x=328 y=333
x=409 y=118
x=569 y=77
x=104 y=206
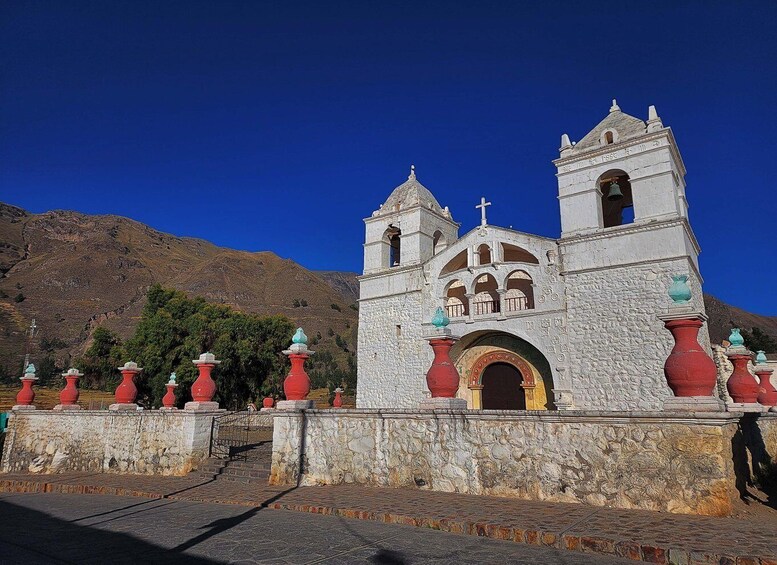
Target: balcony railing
x=455 y=310
x=516 y=303
x=486 y=307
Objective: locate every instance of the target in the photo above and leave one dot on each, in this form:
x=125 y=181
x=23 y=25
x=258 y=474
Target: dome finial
x=411 y=176
x=614 y=107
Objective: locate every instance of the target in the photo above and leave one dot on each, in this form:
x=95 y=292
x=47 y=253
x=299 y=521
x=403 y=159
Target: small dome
x=409 y=194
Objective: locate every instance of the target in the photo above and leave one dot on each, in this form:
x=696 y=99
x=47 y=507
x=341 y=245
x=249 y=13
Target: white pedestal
x=201 y=406
x=60 y=407
x=122 y=407
x=745 y=407
x=166 y=409
x=294 y=404
x=23 y=407
x=695 y=404
x=443 y=404
x=266 y=409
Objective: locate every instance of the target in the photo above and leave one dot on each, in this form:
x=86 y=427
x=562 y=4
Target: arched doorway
x=502 y=388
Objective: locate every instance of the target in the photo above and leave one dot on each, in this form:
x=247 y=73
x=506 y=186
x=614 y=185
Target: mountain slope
x=77 y=271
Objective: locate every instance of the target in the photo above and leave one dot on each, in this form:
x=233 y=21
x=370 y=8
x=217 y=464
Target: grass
x=46 y=398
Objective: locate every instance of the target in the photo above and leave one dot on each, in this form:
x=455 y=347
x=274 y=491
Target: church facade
x=544 y=324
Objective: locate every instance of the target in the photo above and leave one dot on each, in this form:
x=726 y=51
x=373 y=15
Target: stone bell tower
x=624 y=232
x=408 y=229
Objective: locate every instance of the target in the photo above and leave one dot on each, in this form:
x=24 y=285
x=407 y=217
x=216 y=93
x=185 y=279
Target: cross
x=482 y=207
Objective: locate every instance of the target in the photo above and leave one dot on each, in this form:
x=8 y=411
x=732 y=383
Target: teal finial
x=440 y=320
x=760 y=358
x=30 y=370
x=679 y=292
x=172 y=378
x=300 y=337
x=735 y=339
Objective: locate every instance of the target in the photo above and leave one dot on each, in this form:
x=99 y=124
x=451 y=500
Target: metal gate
x=237 y=433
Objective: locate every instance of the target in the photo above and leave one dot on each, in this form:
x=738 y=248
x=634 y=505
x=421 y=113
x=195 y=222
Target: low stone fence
x=675 y=462
x=140 y=442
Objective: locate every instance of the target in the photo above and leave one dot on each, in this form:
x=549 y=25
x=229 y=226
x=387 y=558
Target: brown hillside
x=722 y=317
x=78 y=271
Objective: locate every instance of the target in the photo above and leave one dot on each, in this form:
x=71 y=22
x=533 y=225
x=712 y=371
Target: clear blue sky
x=280 y=125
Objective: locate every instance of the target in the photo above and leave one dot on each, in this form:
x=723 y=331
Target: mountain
x=72 y=272
x=722 y=317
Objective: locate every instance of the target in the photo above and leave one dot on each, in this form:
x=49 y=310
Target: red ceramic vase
x=26 y=396
x=338 y=401
x=741 y=385
x=442 y=377
x=767 y=395
x=204 y=389
x=127 y=392
x=296 y=386
x=268 y=402
x=168 y=400
x=689 y=371
x=69 y=395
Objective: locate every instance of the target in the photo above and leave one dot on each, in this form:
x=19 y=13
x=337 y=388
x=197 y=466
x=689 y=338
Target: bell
x=615 y=192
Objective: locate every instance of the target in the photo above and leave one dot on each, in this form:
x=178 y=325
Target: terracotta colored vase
x=268 y=402
x=442 y=377
x=338 y=401
x=689 y=371
x=296 y=386
x=127 y=392
x=741 y=385
x=204 y=388
x=26 y=396
x=168 y=400
x=767 y=395
x=69 y=395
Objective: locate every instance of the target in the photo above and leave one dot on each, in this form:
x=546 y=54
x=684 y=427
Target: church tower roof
x=622 y=125
x=409 y=194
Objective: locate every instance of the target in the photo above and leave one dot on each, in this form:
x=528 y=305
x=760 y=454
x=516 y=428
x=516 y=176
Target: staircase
x=252 y=468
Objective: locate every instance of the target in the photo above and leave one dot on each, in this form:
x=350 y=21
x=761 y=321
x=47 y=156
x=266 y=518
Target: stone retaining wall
x=674 y=462
x=139 y=442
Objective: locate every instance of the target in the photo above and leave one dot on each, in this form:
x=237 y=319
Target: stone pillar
x=767 y=395
x=203 y=389
x=68 y=398
x=168 y=400
x=741 y=385
x=470 y=308
x=501 y=292
x=296 y=386
x=477 y=396
x=689 y=371
x=442 y=377
x=127 y=392
x=26 y=396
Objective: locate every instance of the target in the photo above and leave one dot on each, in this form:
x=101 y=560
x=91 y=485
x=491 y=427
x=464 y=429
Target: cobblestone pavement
x=635 y=534
x=60 y=528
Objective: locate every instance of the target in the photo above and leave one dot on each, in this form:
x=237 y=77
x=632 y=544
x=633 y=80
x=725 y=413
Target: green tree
x=101 y=360
x=757 y=340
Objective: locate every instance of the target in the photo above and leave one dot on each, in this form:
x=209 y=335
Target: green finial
x=679 y=292
x=172 y=378
x=735 y=339
x=440 y=320
x=300 y=337
x=30 y=370
x=760 y=358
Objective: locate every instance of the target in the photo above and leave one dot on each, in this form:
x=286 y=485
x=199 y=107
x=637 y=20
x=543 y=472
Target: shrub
x=19 y=297
x=335 y=307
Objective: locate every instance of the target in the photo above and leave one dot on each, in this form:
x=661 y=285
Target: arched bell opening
x=484 y=254
x=392 y=240
x=617 y=201
x=438 y=242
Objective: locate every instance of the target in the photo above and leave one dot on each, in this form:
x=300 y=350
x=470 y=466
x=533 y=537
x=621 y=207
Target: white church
x=544 y=324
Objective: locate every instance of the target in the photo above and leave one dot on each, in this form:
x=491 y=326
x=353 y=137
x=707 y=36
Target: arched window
x=486 y=300
x=456 y=303
x=608 y=137
x=439 y=242
x=484 y=254
x=617 y=202
x=515 y=254
x=393 y=238
x=456 y=264
x=520 y=292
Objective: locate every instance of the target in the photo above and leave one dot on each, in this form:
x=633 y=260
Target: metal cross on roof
x=482 y=207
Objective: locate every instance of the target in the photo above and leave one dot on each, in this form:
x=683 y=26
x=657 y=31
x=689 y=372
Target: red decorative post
x=168 y=400
x=203 y=389
x=296 y=386
x=442 y=378
x=26 y=396
x=338 y=401
x=767 y=395
x=268 y=403
x=127 y=392
x=690 y=372
x=68 y=398
x=741 y=385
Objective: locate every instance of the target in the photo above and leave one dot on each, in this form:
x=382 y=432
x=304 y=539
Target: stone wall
x=139 y=442
x=616 y=340
x=655 y=461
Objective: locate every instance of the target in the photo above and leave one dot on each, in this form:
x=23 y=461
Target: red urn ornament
x=338 y=401
x=68 y=397
x=127 y=392
x=442 y=378
x=204 y=388
x=767 y=394
x=168 y=400
x=26 y=396
x=268 y=402
x=741 y=385
x=689 y=371
x=296 y=386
